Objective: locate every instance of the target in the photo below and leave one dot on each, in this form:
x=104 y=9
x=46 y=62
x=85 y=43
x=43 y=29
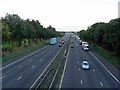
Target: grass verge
x=107 y=55
x=20 y=51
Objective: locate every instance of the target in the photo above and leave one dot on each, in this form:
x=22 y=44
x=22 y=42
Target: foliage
x=16 y=30
x=106 y=35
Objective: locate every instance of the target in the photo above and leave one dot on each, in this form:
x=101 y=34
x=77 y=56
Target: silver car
x=85 y=65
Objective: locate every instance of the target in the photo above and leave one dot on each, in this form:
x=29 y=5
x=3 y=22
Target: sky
x=64 y=15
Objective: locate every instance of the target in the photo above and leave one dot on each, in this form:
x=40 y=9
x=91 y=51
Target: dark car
x=71 y=41
x=62 y=42
x=59 y=41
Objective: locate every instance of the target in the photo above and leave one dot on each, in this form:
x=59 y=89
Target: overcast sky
x=68 y=15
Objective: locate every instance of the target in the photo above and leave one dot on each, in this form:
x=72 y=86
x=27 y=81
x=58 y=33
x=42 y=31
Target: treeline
x=105 y=35
x=19 y=32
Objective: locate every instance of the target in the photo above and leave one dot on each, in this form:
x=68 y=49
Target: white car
x=85 y=65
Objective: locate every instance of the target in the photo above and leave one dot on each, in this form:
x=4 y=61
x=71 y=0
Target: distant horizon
x=66 y=28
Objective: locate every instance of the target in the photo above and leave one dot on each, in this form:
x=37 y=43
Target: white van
x=85 y=46
x=84 y=43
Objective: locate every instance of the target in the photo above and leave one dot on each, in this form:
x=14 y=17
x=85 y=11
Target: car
x=85 y=64
x=62 y=42
x=59 y=41
x=60 y=45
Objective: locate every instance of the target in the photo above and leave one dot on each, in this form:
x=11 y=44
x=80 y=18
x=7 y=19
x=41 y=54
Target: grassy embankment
x=22 y=50
x=106 y=54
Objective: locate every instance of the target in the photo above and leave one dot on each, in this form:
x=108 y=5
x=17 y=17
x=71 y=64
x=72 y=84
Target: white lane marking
x=93 y=70
x=101 y=83
x=2 y=77
x=19 y=78
x=76 y=57
x=64 y=69
x=19 y=66
x=77 y=62
x=44 y=70
x=41 y=60
x=33 y=66
x=106 y=69
x=79 y=69
x=23 y=58
x=64 y=51
x=81 y=82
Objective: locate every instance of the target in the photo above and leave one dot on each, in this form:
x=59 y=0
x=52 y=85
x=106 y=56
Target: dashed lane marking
x=77 y=62
x=101 y=83
x=19 y=78
x=105 y=67
x=41 y=60
x=2 y=77
x=33 y=66
x=23 y=58
x=93 y=70
x=81 y=82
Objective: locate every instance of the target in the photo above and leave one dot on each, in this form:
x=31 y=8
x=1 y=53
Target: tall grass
x=106 y=54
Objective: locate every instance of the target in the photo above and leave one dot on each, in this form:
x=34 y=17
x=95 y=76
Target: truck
x=53 y=41
x=83 y=42
x=85 y=46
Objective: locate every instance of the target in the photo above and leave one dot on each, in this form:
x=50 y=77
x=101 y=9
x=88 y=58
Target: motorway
x=100 y=75
x=23 y=72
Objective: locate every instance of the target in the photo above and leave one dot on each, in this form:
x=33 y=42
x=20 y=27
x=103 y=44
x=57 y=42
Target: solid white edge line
x=44 y=70
x=64 y=69
x=106 y=68
x=53 y=79
x=23 y=58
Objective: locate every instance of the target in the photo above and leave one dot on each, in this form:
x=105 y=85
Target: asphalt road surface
x=100 y=75
x=23 y=72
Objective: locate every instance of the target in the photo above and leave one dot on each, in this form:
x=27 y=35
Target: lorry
x=53 y=41
x=85 y=46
